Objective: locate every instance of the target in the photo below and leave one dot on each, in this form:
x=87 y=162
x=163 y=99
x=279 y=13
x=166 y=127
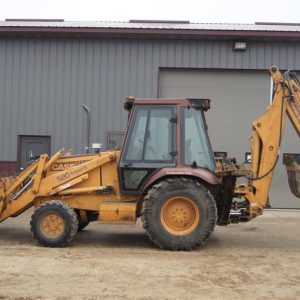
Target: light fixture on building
x=239 y=46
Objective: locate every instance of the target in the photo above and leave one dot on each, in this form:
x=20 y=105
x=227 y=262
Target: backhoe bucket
x=292 y=163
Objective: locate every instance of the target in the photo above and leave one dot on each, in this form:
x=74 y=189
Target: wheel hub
x=52 y=225
x=180 y=215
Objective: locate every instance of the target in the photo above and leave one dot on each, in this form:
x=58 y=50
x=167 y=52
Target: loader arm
x=267 y=133
x=17 y=196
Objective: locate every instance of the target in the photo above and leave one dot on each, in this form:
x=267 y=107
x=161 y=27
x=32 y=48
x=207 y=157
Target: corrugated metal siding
x=43 y=82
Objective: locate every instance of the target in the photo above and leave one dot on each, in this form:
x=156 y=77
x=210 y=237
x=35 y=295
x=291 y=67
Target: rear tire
x=54 y=224
x=179 y=214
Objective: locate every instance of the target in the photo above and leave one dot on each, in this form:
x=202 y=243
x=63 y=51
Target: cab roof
x=197 y=103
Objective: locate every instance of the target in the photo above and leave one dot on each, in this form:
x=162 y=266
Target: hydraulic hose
x=280 y=137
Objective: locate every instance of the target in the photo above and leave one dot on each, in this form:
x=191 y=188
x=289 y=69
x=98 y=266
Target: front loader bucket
x=292 y=163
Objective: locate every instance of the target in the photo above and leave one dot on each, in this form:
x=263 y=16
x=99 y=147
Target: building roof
x=161 y=28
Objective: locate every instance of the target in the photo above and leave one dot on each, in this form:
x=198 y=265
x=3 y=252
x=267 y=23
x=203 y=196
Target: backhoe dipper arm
x=266 y=137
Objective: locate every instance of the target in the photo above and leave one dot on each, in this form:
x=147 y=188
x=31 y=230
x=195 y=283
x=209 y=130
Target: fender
x=200 y=173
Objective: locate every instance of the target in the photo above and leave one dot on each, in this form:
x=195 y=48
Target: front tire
x=54 y=224
x=179 y=214
x=81 y=224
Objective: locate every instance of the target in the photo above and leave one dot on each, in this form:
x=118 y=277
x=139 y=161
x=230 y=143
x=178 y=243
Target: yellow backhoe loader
x=165 y=173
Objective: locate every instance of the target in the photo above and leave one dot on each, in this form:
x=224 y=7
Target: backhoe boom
x=267 y=133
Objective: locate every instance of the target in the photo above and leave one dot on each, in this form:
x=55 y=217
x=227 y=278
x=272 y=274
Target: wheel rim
x=180 y=215
x=52 y=225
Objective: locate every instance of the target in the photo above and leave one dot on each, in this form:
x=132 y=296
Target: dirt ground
x=257 y=260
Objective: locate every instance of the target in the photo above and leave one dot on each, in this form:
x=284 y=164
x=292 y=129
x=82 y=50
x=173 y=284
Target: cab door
x=149 y=146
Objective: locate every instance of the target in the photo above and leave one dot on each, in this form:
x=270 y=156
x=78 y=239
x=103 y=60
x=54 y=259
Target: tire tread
x=153 y=198
x=67 y=238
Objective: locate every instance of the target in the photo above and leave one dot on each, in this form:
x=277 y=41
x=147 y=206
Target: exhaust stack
x=88 y=129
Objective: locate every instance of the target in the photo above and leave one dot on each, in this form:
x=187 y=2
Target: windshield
x=197 y=150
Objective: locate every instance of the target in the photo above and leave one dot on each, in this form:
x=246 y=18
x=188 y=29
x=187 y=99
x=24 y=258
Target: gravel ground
x=256 y=260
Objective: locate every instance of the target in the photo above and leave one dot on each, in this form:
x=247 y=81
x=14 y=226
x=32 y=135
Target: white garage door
x=238 y=98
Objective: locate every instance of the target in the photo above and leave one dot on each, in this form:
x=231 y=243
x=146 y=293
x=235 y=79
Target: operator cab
x=163 y=133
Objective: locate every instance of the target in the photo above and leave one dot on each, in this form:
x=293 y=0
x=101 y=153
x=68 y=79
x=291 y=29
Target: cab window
x=152 y=135
x=196 y=148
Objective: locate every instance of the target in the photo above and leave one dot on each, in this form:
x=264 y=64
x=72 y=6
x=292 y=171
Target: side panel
x=71 y=161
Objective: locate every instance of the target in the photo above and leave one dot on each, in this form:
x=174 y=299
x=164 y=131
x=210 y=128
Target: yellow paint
x=266 y=134
x=120 y=213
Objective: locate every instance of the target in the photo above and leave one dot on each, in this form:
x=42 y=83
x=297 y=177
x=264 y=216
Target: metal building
x=48 y=69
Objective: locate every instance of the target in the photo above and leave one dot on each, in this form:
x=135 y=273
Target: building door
x=238 y=98
x=30 y=147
